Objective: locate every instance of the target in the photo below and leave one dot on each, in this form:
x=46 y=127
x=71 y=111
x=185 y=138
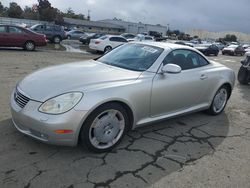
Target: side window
x=49 y=28
x=123 y=40
x=3 y=29
x=39 y=28
x=114 y=39
x=186 y=59
x=15 y=30
x=57 y=28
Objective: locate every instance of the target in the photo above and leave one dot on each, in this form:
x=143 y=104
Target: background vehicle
x=54 y=33
x=15 y=36
x=141 y=37
x=74 y=34
x=106 y=43
x=233 y=50
x=86 y=39
x=219 y=45
x=208 y=49
x=244 y=71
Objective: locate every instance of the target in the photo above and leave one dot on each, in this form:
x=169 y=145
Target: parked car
x=54 y=33
x=233 y=50
x=106 y=43
x=75 y=34
x=247 y=49
x=128 y=35
x=219 y=45
x=244 y=71
x=86 y=39
x=97 y=101
x=141 y=37
x=208 y=49
x=15 y=36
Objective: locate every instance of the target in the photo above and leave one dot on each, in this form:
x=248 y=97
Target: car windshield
x=137 y=57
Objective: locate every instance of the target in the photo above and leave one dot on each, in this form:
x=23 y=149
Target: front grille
x=20 y=99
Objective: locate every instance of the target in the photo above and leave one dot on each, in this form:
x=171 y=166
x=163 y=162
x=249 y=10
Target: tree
x=71 y=14
x=230 y=38
x=46 y=11
x=29 y=13
x=15 y=11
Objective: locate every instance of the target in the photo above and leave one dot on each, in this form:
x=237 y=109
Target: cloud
x=212 y=15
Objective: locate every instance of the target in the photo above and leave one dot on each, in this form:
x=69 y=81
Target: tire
x=243 y=76
x=104 y=128
x=57 y=39
x=223 y=53
x=219 y=101
x=68 y=37
x=107 y=49
x=29 y=46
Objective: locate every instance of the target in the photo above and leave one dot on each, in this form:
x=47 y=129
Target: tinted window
x=2 y=29
x=38 y=27
x=186 y=59
x=15 y=30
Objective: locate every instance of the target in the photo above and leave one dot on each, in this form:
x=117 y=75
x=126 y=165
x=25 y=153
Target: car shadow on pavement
x=144 y=156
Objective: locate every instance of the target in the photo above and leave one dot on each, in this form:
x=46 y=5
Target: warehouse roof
x=91 y=23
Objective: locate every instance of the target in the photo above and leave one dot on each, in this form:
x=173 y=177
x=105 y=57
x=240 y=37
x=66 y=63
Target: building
x=24 y=22
x=93 y=26
x=136 y=28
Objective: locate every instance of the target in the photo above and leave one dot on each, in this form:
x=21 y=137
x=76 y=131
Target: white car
x=141 y=37
x=106 y=43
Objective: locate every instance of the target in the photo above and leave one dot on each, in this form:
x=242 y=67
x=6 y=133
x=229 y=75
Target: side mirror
x=171 y=68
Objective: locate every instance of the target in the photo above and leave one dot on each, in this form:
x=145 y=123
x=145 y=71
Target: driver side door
x=172 y=93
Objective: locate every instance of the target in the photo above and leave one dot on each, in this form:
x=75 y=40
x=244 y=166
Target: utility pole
x=88 y=18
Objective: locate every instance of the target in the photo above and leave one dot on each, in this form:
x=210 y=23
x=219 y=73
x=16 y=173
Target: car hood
x=52 y=81
x=201 y=48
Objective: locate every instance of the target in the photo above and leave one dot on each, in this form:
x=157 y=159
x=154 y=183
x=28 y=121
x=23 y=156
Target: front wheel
x=219 y=101
x=104 y=128
x=243 y=76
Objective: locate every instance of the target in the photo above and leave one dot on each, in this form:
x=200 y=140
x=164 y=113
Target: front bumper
x=30 y=121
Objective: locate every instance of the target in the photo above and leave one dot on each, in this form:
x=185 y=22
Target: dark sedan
x=234 y=50
x=208 y=49
x=86 y=39
x=15 y=36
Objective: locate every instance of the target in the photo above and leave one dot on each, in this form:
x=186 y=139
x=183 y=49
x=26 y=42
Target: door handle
x=203 y=77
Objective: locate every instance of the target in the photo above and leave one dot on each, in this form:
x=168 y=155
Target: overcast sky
x=212 y=15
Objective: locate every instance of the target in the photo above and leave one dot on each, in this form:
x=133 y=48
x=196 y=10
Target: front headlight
x=61 y=103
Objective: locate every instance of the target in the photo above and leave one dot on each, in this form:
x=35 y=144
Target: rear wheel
x=219 y=101
x=57 y=39
x=30 y=46
x=243 y=75
x=105 y=127
x=107 y=49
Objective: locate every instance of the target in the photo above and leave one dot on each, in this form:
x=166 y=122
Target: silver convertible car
x=96 y=102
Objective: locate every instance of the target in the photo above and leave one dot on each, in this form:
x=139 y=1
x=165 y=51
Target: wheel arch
x=124 y=104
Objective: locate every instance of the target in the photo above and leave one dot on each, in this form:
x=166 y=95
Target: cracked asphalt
x=195 y=150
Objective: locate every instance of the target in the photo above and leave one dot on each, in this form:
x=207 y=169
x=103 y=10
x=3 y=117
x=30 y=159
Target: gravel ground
x=196 y=150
